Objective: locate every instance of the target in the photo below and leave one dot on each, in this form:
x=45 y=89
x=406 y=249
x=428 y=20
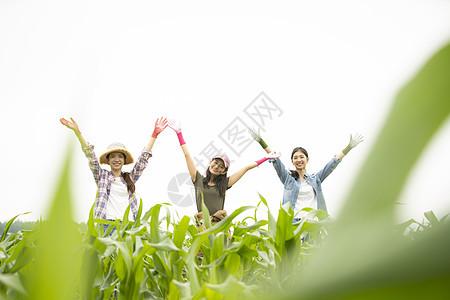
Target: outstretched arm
x=238 y=175
x=87 y=149
x=189 y=161
x=142 y=161
x=74 y=126
x=160 y=125
x=257 y=137
x=354 y=141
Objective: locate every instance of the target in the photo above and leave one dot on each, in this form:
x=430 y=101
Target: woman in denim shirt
x=302 y=189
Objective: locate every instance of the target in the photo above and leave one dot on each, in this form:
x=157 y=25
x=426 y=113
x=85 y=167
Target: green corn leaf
x=8 y=225
x=125 y=218
x=91 y=224
x=285 y=229
x=272 y=222
x=165 y=245
x=217 y=249
x=190 y=259
x=222 y=225
x=232 y=263
x=431 y=217
x=137 y=221
x=205 y=211
x=230 y=287
x=154 y=223
x=53 y=274
x=180 y=231
x=183 y=290
x=13 y=283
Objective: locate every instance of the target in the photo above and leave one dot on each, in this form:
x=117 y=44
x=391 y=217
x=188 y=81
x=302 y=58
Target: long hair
x=130 y=184
x=294 y=173
x=219 y=181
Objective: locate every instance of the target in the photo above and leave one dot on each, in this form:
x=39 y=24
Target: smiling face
x=299 y=160
x=116 y=160
x=217 y=167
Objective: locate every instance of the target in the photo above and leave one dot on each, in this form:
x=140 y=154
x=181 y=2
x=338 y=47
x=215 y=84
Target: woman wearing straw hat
x=116 y=189
x=212 y=187
x=302 y=189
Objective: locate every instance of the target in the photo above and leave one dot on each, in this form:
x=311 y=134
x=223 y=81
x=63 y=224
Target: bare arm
x=74 y=126
x=340 y=155
x=238 y=175
x=189 y=161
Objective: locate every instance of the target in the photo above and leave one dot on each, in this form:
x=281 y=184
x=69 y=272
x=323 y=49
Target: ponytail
x=130 y=184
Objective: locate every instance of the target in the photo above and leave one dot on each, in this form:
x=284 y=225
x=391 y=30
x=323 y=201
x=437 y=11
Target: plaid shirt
x=103 y=179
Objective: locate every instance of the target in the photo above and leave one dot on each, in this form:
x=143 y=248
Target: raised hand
x=174 y=125
x=257 y=137
x=273 y=155
x=255 y=134
x=70 y=124
x=355 y=140
x=74 y=126
x=160 y=125
x=177 y=128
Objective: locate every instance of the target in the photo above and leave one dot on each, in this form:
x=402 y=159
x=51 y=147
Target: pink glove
x=160 y=125
x=176 y=127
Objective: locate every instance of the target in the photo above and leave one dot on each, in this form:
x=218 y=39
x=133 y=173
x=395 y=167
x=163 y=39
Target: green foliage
x=363 y=255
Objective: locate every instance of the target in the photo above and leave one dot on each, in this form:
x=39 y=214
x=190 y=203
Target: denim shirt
x=292 y=186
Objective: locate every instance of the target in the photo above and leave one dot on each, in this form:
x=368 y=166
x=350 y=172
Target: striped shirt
x=104 y=178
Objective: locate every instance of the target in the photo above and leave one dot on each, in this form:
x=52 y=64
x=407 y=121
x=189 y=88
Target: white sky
x=332 y=68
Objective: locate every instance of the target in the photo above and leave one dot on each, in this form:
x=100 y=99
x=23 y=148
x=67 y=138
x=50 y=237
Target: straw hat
x=117 y=147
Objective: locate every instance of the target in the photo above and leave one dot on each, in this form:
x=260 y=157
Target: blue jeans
x=106 y=226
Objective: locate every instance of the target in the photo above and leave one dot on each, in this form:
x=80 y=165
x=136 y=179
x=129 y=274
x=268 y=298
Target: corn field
x=361 y=255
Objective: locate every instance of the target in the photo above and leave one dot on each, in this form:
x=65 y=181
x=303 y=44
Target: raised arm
x=257 y=137
x=87 y=148
x=354 y=141
x=238 y=175
x=189 y=161
x=160 y=125
x=74 y=126
x=142 y=161
x=277 y=164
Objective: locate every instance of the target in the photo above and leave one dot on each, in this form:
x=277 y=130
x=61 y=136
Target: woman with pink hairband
x=212 y=187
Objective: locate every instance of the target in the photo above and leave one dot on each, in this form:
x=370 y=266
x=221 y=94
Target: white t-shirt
x=118 y=200
x=306 y=198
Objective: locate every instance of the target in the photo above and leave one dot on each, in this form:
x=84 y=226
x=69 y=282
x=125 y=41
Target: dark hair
x=126 y=176
x=294 y=173
x=130 y=184
x=221 y=182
